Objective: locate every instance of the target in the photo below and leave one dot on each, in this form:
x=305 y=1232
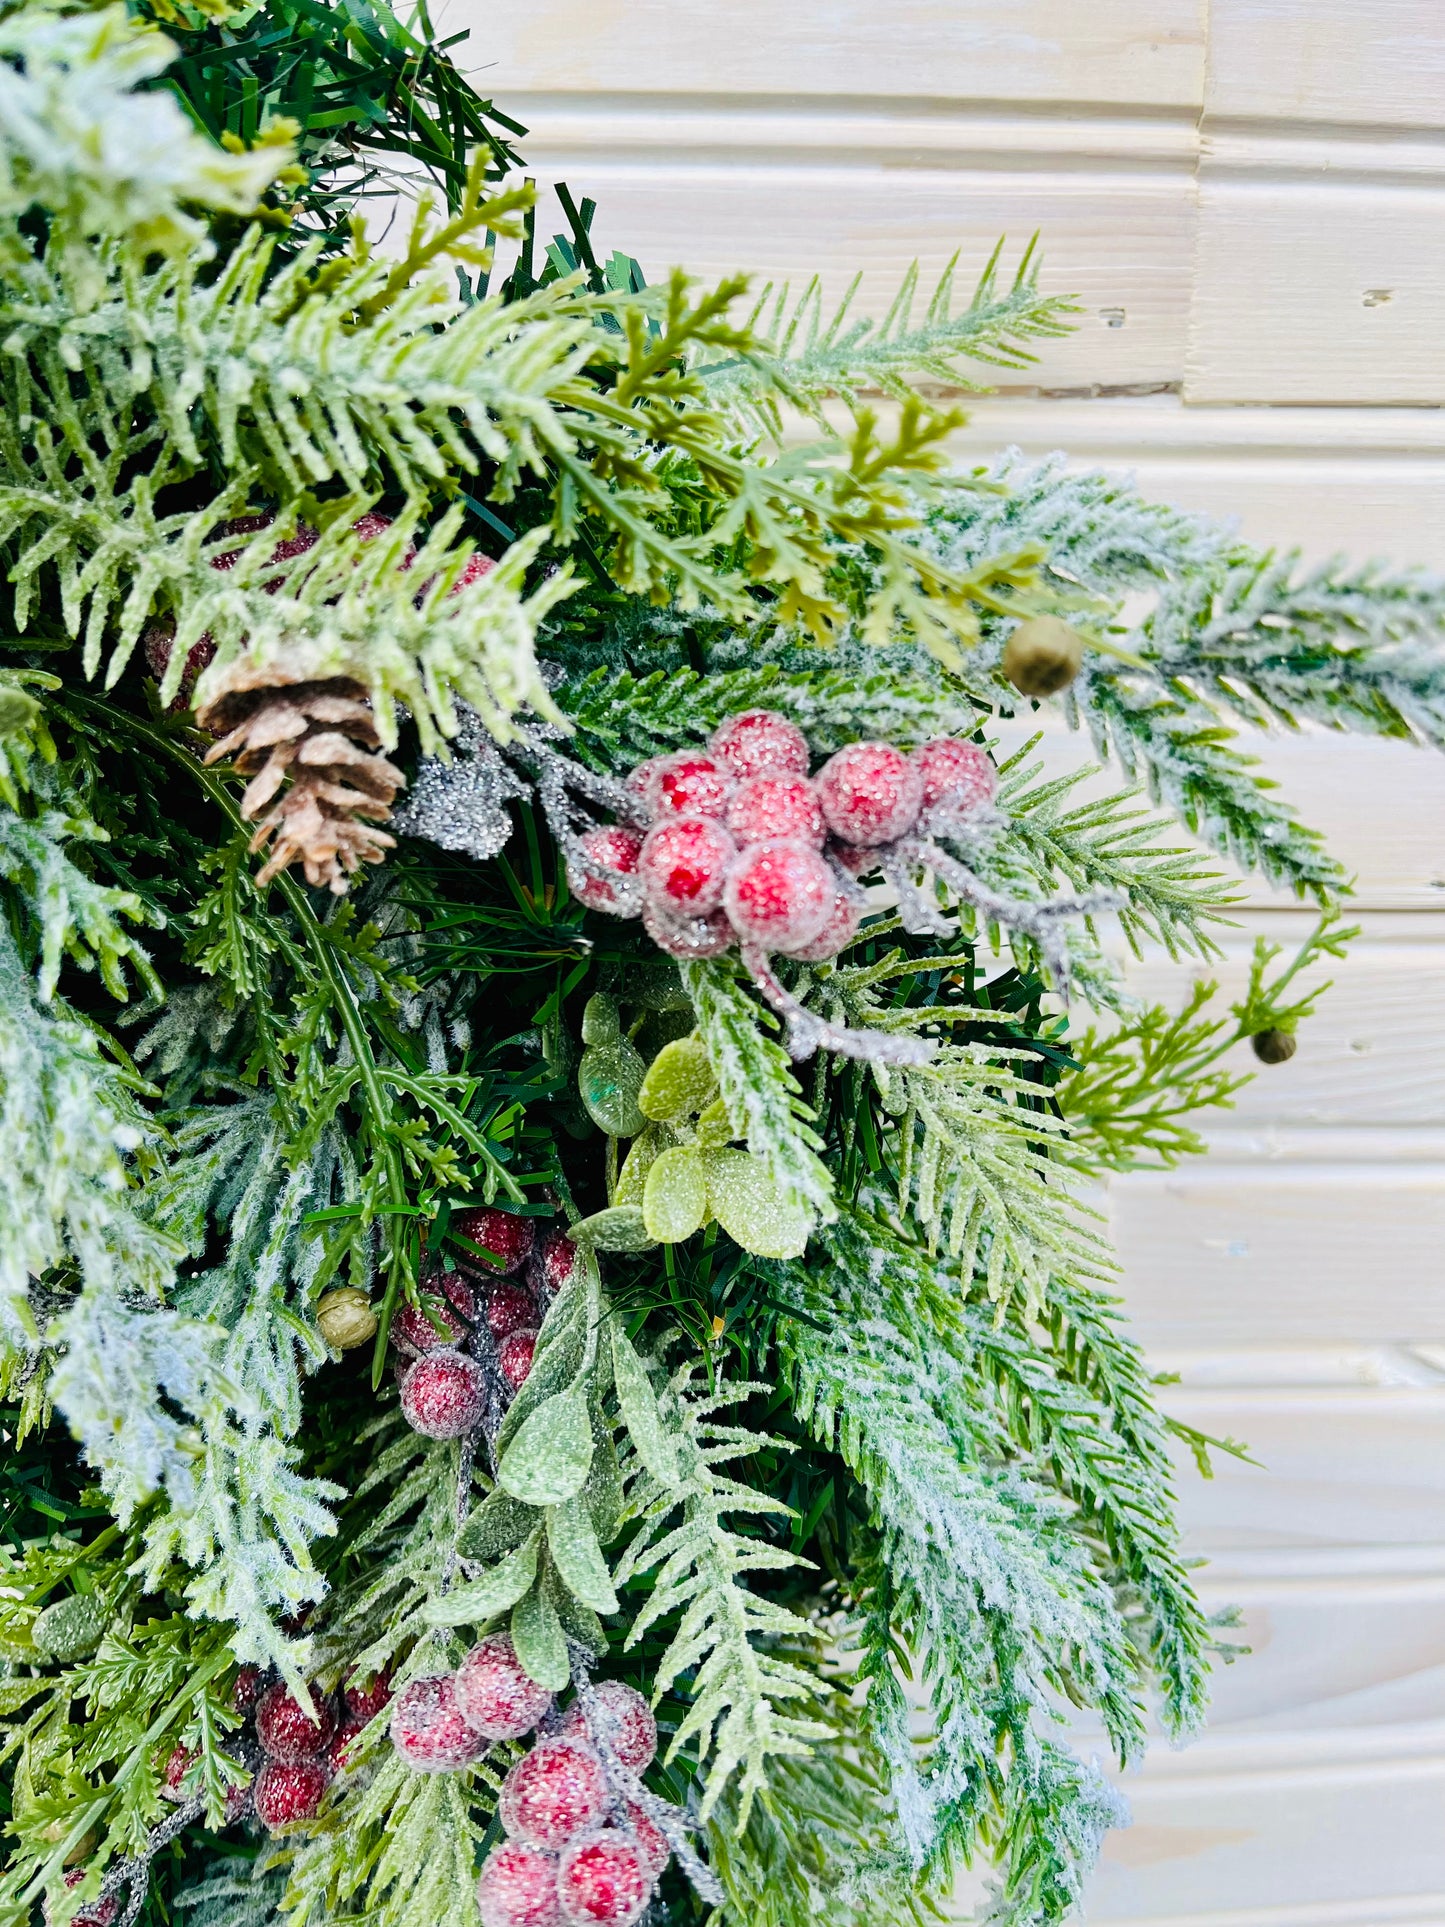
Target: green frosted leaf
x=638 y=1401
x=579 y=1622
x=715 y=1127
x=484 y=1598
x=538 y=1639
x=71 y=1629
x=499 y=1524
x=608 y=1079
x=603 y=1492
x=750 y=1207
x=577 y=1556
x=638 y=1162
x=679 y=1080
x=621 y=1227
x=599 y=1021
x=674 y=1200
x=549 y=1458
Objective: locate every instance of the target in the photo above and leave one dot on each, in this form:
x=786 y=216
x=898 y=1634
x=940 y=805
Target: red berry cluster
x=738 y=843
x=304 y=1753
x=476 y=1331
x=578 y=1849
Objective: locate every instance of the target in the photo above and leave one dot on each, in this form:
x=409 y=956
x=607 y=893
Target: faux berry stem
x=808 y=1032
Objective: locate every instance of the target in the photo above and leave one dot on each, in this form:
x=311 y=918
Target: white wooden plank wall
x=1249 y=198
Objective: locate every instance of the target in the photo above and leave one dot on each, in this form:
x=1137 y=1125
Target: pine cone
x=320 y=734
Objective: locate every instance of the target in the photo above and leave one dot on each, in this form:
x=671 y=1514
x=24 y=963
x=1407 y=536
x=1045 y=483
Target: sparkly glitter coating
x=767 y=806
x=960 y=773
x=870 y=793
x=502 y=1233
x=614 y=847
x=286 y=1732
x=509 y=1308
x=601 y=1882
x=687 y=784
x=779 y=894
x=518 y=1887
x=514 y=1357
x=286 y=1793
x=688 y=937
x=427 y=1727
x=649 y=1839
x=759 y=742
x=494 y=1693
x=556 y=1792
x=443 y=1394
x=684 y=865
x=559 y=1255
x=626 y=1719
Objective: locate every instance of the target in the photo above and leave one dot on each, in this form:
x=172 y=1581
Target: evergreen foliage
x=864 y=1524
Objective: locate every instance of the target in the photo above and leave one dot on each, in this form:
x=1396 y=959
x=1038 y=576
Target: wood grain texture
x=1377 y=62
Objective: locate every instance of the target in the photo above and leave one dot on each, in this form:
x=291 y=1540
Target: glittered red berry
x=559 y=1256
x=286 y=1731
x=178 y=1765
x=836 y=934
x=624 y=1717
x=363 y=1703
x=636 y=784
x=518 y=1887
x=687 y=783
x=601 y=1882
x=870 y=794
x=494 y=1693
x=959 y=774
x=509 y=1308
x=614 y=847
x=288 y=1792
x=759 y=742
x=767 y=806
x=684 y=865
x=339 y=1755
x=779 y=894
x=855 y=861
x=514 y=1357
x=688 y=937
x=443 y=1395
x=558 y=1790
x=503 y=1234
x=476 y=566
x=158 y=642
x=413 y=1331
x=427 y=1727
x=461 y=1296
x=648 y=1838
x=247 y=1688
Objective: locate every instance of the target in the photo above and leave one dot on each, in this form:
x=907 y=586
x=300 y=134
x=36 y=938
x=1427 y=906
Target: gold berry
x=346 y=1318
x=1043 y=656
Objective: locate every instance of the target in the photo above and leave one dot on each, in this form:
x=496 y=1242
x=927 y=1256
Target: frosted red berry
x=614 y=847
x=959 y=774
x=443 y=1394
x=247 y=1688
x=495 y=1694
x=759 y=742
x=648 y=1838
x=363 y=1703
x=839 y=930
x=687 y=783
x=779 y=894
x=427 y=1727
x=286 y=1792
x=601 y=1882
x=460 y=1295
x=637 y=781
x=625 y=1718
x=559 y=1790
x=477 y=565
x=559 y=1256
x=870 y=792
x=338 y=1754
x=286 y=1731
x=413 y=1331
x=767 y=806
x=509 y=1308
x=514 y=1357
x=688 y=937
x=855 y=861
x=503 y=1234
x=177 y=1766
x=518 y=1887
x=684 y=865
x=158 y=642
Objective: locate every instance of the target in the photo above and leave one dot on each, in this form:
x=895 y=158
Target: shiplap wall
x=1248 y=196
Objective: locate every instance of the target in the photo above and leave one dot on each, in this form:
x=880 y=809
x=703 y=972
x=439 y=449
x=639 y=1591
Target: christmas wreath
x=561 y=1365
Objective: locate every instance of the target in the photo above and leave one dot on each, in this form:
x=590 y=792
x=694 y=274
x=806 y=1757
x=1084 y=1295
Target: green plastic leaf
x=71 y=1629
x=680 y=1081
x=549 y=1458
x=638 y=1401
x=599 y=1021
x=578 y=1557
x=621 y=1227
x=499 y=1524
x=579 y=1622
x=538 y=1639
x=675 y=1197
x=638 y=1162
x=603 y=1494
x=484 y=1598
x=751 y=1208
x=714 y=1126
x=608 y=1080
